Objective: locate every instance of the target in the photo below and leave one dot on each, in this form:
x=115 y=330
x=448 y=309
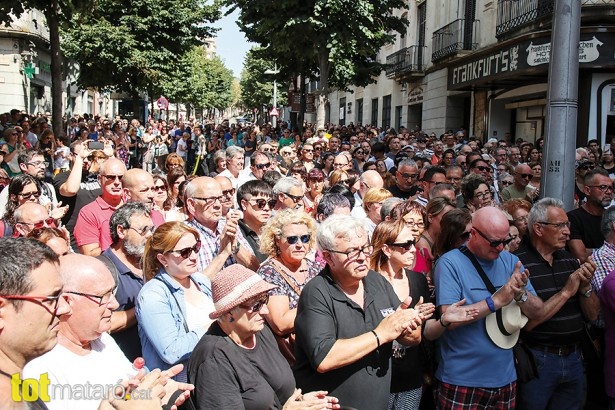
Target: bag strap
x=284 y=275
x=176 y=302
x=490 y=287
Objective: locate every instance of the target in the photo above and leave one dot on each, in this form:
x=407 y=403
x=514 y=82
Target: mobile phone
x=607 y=148
x=95 y=145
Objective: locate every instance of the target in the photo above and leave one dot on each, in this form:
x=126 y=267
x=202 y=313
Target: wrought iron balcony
x=406 y=62
x=515 y=14
x=454 y=37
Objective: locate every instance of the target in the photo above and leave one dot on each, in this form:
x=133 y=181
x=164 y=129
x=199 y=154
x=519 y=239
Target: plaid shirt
x=604 y=257
x=210 y=244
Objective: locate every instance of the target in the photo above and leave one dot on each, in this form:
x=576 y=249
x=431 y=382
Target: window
x=359 y=111
x=386 y=111
x=374 y=120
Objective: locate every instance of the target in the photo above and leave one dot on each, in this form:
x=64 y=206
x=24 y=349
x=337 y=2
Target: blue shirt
x=469 y=357
x=161 y=315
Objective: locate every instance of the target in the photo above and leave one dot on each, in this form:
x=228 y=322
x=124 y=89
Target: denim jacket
x=161 y=312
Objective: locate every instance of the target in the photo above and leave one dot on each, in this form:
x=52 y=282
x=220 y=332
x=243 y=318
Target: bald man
x=519 y=188
x=85 y=352
x=92 y=232
x=30 y=216
x=369 y=179
x=139 y=187
x=473 y=368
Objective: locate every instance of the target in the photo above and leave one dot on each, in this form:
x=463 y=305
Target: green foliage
x=136 y=45
x=256 y=86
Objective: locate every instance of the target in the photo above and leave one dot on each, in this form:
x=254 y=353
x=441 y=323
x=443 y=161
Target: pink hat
x=233 y=286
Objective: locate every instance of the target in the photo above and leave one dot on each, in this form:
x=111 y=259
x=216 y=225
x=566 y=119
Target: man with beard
x=585 y=233
x=131 y=225
x=139 y=187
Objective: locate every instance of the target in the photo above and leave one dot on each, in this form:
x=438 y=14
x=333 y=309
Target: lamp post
x=275 y=71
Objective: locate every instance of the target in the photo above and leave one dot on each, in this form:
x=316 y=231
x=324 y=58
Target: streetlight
x=275 y=71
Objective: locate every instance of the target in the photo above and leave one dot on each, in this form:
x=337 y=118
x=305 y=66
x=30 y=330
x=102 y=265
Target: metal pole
x=561 y=132
x=274 y=120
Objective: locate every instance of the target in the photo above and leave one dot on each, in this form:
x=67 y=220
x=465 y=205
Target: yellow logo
x=30 y=390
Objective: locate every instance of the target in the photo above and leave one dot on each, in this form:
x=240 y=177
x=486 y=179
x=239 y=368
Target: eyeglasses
x=49 y=222
x=465 y=236
x=294 y=239
x=261 y=203
x=354 y=253
x=308 y=150
x=603 y=188
x=482 y=195
x=263 y=166
x=29 y=195
x=524 y=176
x=100 y=299
x=159 y=188
x=258 y=305
x=494 y=243
x=228 y=193
x=408 y=176
x=408 y=245
x=557 y=225
x=38 y=163
x=144 y=231
x=482 y=168
x=317 y=148
x=50 y=303
x=506 y=183
x=295 y=198
x=359 y=152
x=267 y=150
x=587 y=167
x=210 y=200
x=414 y=224
x=186 y=252
x=114 y=177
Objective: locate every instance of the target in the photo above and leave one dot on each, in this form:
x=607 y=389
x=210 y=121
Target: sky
x=231 y=44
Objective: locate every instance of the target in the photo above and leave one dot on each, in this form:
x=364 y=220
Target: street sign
x=274 y=112
x=162 y=103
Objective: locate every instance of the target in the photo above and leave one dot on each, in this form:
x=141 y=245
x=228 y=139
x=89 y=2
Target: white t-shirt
x=182 y=148
x=61 y=162
x=72 y=377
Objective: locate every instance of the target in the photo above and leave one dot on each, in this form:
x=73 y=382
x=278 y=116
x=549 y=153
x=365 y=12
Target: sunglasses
x=257 y=306
x=263 y=166
x=482 y=169
x=494 y=243
x=525 y=176
x=114 y=177
x=506 y=183
x=294 y=238
x=295 y=198
x=49 y=222
x=261 y=203
x=228 y=193
x=186 y=252
x=159 y=188
x=408 y=245
x=587 y=167
x=29 y=195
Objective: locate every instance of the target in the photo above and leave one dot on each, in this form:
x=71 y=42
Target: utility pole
x=561 y=131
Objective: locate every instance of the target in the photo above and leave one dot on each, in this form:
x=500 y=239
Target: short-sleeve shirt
x=269 y=271
x=586 y=227
x=468 y=356
x=93 y=224
x=324 y=315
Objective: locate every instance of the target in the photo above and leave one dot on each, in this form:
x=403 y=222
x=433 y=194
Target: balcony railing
x=455 y=37
x=406 y=61
x=514 y=14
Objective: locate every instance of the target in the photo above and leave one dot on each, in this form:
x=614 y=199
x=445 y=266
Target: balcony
x=516 y=14
x=406 y=63
x=455 y=37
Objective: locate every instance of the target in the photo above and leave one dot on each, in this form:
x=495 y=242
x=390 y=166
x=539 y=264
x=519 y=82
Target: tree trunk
x=56 y=68
x=303 y=102
x=323 y=96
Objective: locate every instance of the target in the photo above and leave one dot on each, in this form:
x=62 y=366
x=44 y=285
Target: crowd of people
x=226 y=266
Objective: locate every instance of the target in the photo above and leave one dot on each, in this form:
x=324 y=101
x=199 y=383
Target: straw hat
x=233 y=286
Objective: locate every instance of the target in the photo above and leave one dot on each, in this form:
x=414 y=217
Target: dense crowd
x=243 y=266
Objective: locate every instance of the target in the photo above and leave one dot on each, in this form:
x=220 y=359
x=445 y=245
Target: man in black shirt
x=555 y=338
x=255 y=201
x=406 y=178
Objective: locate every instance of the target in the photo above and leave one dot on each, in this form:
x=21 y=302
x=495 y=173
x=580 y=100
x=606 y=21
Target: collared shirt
x=93 y=224
x=324 y=315
x=251 y=241
x=604 y=257
x=210 y=244
x=566 y=326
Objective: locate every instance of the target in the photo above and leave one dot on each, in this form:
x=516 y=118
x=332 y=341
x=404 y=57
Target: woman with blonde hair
x=339 y=176
x=288 y=239
x=173 y=306
x=392 y=257
x=372 y=203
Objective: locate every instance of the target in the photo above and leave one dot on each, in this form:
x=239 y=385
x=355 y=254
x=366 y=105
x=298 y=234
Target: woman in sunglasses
x=393 y=256
x=288 y=239
x=237 y=364
x=161 y=193
x=174 y=304
x=23 y=188
x=358 y=158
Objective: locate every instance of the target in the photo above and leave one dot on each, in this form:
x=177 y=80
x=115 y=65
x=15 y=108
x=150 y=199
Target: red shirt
x=93 y=224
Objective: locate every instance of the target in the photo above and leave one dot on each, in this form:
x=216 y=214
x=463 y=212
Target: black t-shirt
x=227 y=376
x=398 y=193
x=253 y=240
x=586 y=227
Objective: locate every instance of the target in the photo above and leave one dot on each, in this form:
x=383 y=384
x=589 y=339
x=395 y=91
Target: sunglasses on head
x=494 y=243
x=404 y=245
x=261 y=203
x=186 y=252
x=293 y=239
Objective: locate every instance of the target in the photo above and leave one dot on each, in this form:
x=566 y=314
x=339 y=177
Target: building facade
x=483 y=65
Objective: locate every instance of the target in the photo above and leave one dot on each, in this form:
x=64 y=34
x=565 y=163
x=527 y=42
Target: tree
x=342 y=36
x=57 y=13
x=132 y=45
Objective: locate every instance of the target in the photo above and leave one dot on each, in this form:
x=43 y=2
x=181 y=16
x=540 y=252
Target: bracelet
x=442 y=322
x=490 y=303
x=377 y=338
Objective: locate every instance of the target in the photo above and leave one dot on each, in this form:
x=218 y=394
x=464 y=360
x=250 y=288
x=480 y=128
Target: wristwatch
x=588 y=293
x=523 y=297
